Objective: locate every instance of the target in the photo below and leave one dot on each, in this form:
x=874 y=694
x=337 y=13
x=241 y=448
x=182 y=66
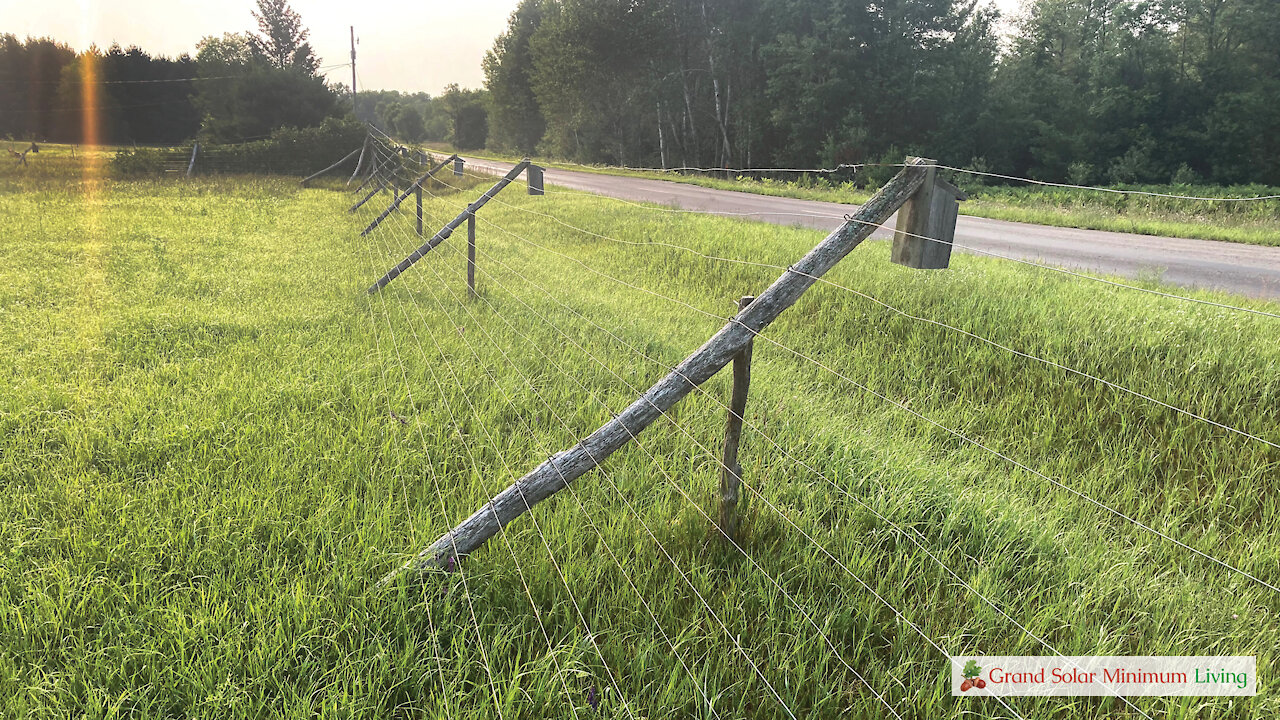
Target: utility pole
x=354 y=107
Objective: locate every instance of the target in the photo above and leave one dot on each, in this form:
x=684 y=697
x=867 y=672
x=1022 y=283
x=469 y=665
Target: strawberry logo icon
x=972 y=677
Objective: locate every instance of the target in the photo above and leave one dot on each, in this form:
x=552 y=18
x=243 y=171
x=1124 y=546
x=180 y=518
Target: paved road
x=1245 y=269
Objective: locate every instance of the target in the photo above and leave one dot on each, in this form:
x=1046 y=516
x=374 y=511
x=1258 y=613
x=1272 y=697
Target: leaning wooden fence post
x=555 y=473
x=382 y=184
x=926 y=224
x=313 y=176
x=191 y=166
x=359 y=163
x=471 y=255
x=534 y=179
x=418 y=191
x=730 y=470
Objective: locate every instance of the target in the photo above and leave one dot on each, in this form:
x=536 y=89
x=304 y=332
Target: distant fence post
x=457 y=165
x=534 y=179
x=445 y=232
x=359 y=163
x=927 y=222
x=418 y=191
x=191 y=166
x=730 y=470
x=471 y=255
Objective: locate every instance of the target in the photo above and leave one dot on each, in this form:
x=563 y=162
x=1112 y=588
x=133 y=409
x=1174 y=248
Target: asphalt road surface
x=1249 y=270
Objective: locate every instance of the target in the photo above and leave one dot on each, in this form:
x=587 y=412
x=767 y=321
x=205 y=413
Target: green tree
x=516 y=121
x=283 y=39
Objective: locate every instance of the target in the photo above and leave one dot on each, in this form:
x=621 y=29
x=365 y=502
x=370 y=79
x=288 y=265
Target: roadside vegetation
x=213 y=443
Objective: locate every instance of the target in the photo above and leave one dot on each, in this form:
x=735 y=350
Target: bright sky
x=408 y=45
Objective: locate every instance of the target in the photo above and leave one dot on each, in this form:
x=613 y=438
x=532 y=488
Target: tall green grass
x=213 y=444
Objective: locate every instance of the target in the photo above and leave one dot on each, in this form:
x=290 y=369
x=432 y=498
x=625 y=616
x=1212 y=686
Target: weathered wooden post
x=419 y=194
x=534 y=177
x=191 y=166
x=471 y=255
x=930 y=213
x=359 y=163
x=457 y=165
x=730 y=470
x=313 y=176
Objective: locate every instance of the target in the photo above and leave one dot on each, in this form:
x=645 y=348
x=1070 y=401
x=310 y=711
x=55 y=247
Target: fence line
x=914 y=541
x=773 y=581
x=705 y=450
x=920 y=416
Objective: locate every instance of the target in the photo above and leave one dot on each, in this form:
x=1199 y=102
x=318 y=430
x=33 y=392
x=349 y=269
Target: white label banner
x=1103 y=675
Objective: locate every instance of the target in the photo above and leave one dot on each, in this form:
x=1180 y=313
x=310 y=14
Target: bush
x=288 y=151
x=134 y=162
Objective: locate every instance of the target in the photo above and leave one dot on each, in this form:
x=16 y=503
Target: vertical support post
x=534 y=177
x=191 y=166
x=457 y=165
x=471 y=254
x=418 y=192
x=927 y=222
x=730 y=470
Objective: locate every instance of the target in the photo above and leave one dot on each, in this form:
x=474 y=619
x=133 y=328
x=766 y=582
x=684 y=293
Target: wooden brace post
x=444 y=232
x=557 y=472
x=930 y=213
x=345 y=158
x=359 y=163
x=730 y=469
x=382 y=185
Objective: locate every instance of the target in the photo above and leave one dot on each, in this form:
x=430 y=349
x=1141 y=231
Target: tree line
x=1086 y=91
x=241 y=86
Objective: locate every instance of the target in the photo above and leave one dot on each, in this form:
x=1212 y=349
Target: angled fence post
x=191 y=166
x=359 y=163
x=313 y=176
x=418 y=192
x=930 y=213
x=730 y=469
x=534 y=179
x=555 y=473
x=444 y=232
x=382 y=185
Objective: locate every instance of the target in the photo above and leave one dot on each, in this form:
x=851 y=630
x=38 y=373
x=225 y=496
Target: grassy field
x=213 y=443
x=1256 y=223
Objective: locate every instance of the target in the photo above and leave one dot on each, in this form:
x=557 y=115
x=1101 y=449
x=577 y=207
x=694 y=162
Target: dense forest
x=1076 y=90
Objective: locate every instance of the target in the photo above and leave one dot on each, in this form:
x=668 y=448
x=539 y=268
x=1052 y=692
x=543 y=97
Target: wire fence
x=428 y=280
